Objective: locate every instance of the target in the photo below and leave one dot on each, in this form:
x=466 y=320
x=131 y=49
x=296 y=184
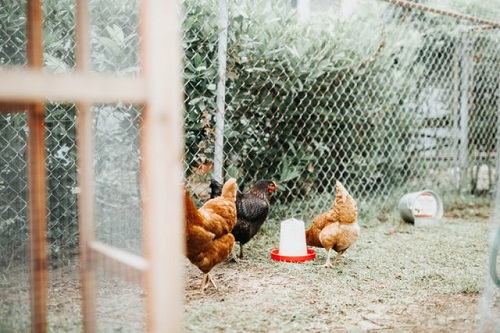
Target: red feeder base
x=275 y=255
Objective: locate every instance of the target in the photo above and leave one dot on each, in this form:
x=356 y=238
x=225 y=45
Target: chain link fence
x=407 y=100
x=386 y=98
x=114 y=49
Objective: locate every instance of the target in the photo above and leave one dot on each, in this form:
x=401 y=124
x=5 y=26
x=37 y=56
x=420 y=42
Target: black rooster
x=252 y=209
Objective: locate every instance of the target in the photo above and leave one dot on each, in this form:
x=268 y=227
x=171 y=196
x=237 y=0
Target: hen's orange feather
x=208 y=230
x=337 y=228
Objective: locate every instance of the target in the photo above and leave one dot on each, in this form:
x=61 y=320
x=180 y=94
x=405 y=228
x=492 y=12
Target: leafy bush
x=13 y=186
x=311 y=102
x=114 y=49
x=306 y=102
x=200 y=44
x=314 y=102
x=62 y=228
x=12 y=33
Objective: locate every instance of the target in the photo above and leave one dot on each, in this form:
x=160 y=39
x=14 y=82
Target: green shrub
x=311 y=103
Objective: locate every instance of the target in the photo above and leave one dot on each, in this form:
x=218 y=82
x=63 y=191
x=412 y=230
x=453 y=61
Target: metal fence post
x=221 y=92
x=464 y=110
x=457 y=58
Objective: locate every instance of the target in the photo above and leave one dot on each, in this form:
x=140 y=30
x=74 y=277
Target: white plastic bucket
x=423 y=208
x=292 y=238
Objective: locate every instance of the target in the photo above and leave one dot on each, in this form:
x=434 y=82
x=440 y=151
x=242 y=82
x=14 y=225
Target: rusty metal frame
x=159 y=91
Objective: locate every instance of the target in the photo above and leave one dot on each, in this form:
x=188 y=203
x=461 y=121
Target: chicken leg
x=241 y=251
x=328 y=263
x=205 y=281
x=237 y=257
x=234 y=257
x=337 y=257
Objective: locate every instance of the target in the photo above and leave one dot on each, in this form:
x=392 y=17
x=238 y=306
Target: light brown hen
x=337 y=228
x=208 y=230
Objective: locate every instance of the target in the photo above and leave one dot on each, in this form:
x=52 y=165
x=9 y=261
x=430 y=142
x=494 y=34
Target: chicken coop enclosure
x=388 y=97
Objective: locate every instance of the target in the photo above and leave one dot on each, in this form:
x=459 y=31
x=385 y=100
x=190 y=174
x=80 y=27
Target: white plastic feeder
x=293 y=238
x=293 y=246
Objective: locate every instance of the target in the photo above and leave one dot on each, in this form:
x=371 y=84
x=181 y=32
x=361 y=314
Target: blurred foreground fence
x=388 y=98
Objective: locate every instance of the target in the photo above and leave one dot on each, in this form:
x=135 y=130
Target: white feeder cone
x=293 y=238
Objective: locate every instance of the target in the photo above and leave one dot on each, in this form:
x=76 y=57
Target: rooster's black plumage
x=252 y=209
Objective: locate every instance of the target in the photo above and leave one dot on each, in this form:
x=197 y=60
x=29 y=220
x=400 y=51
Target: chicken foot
x=205 y=281
x=337 y=257
x=328 y=263
x=234 y=257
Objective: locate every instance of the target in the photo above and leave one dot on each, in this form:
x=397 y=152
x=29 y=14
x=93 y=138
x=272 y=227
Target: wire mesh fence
x=407 y=100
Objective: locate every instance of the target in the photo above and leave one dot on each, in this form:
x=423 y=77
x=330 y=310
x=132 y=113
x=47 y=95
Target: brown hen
x=337 y=228
x=208 y=230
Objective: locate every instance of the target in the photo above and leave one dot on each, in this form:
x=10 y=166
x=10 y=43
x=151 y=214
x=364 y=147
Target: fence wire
x=407 y=100
x=386 y=98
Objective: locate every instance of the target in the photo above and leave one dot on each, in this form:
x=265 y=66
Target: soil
x=397 y=278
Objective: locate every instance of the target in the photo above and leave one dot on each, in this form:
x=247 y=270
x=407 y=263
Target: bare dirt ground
x=397 y=278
